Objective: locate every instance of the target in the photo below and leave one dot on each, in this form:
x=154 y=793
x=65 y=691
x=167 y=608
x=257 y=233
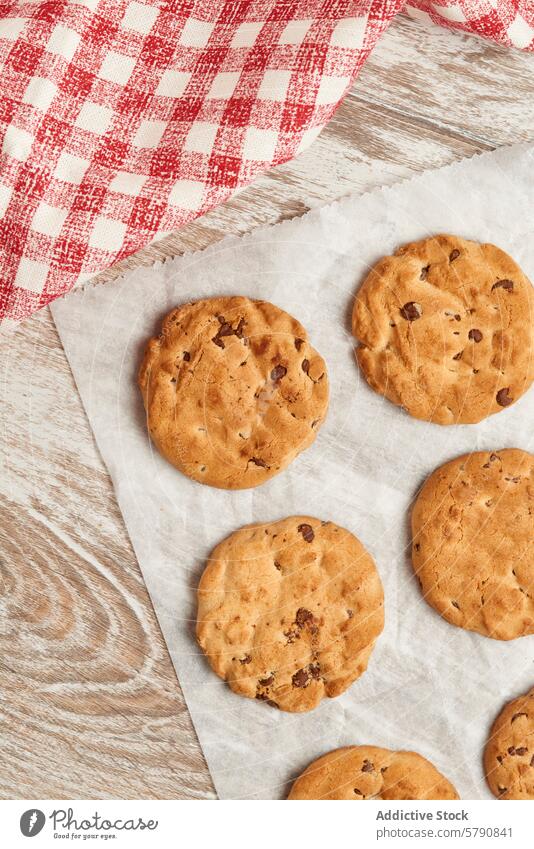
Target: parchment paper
x=430 y=686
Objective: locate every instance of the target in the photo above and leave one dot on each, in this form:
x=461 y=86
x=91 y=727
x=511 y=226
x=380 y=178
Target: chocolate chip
x=454 y=255
x=424 y=272
x=358 y=792
x=303 y=616
x=226 y=329
x=455 y=604
x=245 y=659
x=277 y=565
x=299 y=343
x=521 y=751
x=458 y=356
x=300 y=678
x=458 y=317
x=305 y=366
x=278 y=373
x=517 y=715
x=500 y=759
x=508 y=285
x=271 y=703
x=475 y=335
x=266 y=682
x=259 y=462
x=350 y=613
x=511 y=750
x=307 y=532
x=187 y=356
x=368 y=766
x=315 y=670
x=503 y=398
x=411 y=311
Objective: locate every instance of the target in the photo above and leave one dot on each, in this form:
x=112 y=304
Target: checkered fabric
x=509 y=22
x=121 y=120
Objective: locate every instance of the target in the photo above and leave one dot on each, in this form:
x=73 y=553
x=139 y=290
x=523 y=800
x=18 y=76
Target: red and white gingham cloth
x=121 y=120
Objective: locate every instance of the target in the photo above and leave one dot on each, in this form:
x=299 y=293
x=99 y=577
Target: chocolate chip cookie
x=233 y=391
x=446 y=329
x=473 y=542
x=509 y=754
x=367 y=772
x=289 y=612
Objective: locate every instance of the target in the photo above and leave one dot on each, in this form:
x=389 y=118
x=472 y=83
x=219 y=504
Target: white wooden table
x=89 y=703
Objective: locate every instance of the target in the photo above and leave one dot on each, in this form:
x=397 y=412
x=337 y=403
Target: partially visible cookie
x=367 y=772
x=446 y=329
x=289 y=612
x=473 y=542
x=233 y=391
x=509 y=753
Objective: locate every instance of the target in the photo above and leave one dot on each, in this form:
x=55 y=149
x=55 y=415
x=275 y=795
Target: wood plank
x=90 y=707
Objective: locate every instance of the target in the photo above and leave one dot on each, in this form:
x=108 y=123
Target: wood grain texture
x=89 y=704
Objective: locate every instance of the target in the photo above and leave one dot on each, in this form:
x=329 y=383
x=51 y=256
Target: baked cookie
x=367 y=772
x=233 y=391
x=289 y=612
x=446 y=329
x=473 y=542
x=509 y=753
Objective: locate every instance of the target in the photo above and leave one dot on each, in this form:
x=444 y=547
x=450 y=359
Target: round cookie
x=233 y=391
x=446 y=329
x=289 y=612
x=509 y=753
x=473 y=542
x=367 y=772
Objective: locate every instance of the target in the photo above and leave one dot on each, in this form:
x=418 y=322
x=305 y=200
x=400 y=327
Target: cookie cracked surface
x=233 y=391
x=446 y=329
x=368 y=772
x=473 y=542
x=289 y=612
x=509 y=753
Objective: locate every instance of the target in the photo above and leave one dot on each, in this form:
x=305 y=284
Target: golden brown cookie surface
x=289 y=612
x=446 y=329
x=233 y=391
x=368 y=772
x=473 y=542
x=509 y=753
